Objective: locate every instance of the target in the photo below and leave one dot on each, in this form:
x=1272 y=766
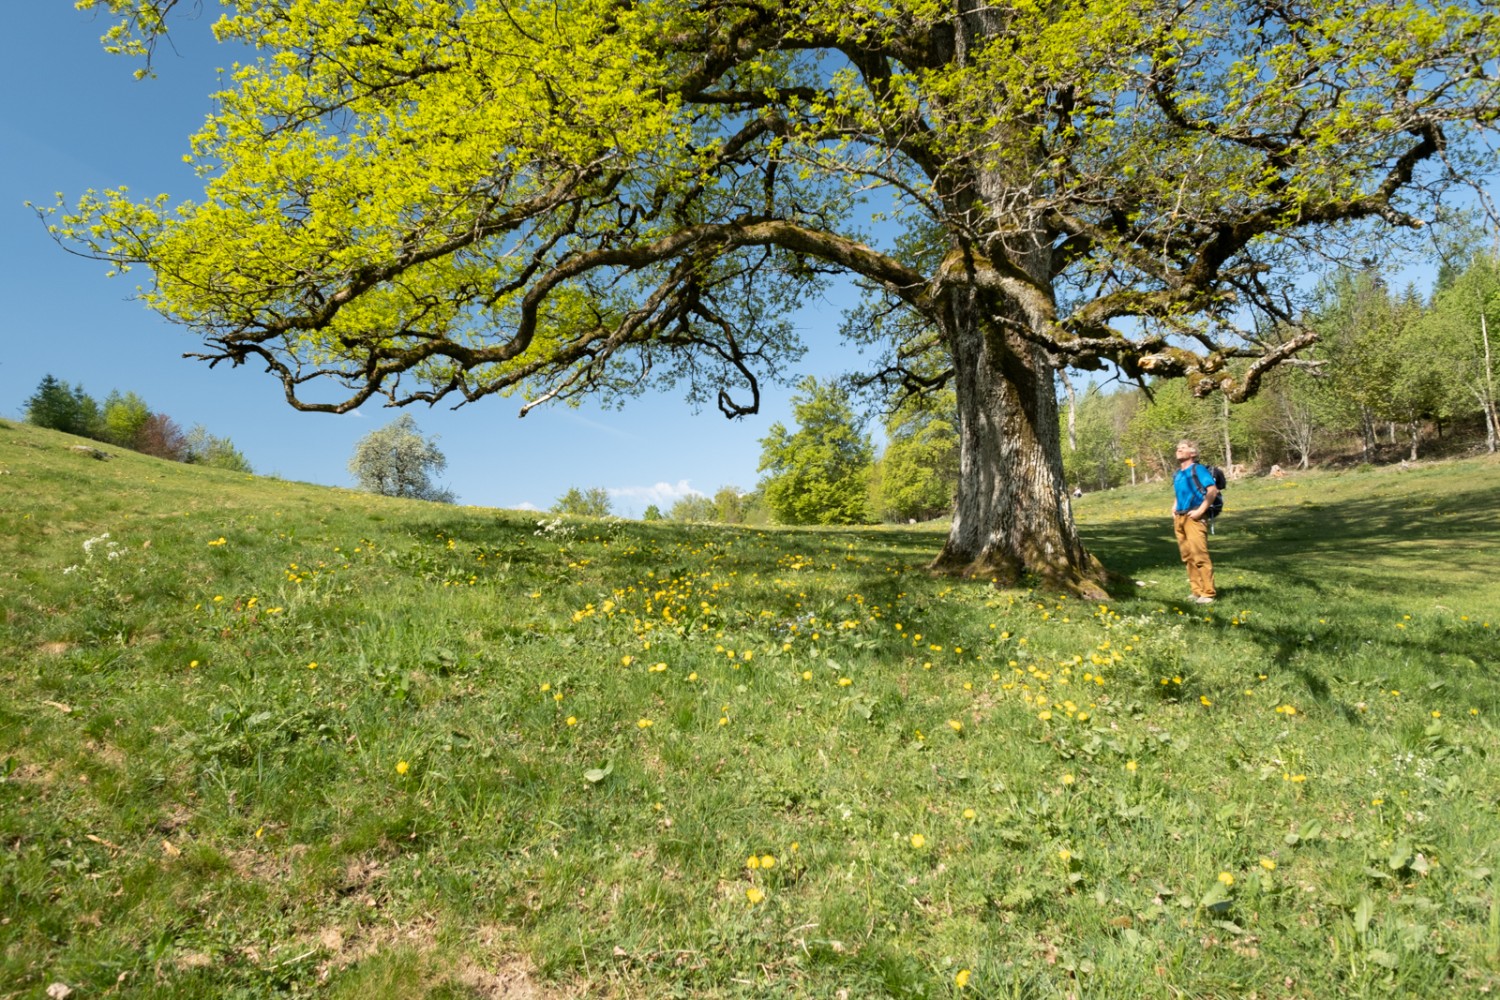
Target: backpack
x=1217 y=507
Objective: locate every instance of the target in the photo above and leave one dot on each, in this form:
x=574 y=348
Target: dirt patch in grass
x=512 y=979
x=31 y=774
x=485 y=969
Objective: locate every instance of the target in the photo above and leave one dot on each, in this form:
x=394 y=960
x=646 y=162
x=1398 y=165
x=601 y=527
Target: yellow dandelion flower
x=754 y=895
x=313 y=665
x=402 y=767
x=844 y=682
x=1065 y=855
x=918 y=841
x=644 y=723
x=1131 y=766
x=961 y=979
x=767 y=862
x=572 y=720
x=970 y=814
x=192 y=664
x=1044 y=716
x=1226 y=878
x=1068 y=779
x=955 y=725
x=753 y=862
x=1268 y=864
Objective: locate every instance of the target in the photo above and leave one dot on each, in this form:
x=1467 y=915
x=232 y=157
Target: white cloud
x=523 y=505
x=662 y=494
x=595 y=425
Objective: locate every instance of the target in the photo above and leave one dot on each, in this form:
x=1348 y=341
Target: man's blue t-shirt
x=1191 y=485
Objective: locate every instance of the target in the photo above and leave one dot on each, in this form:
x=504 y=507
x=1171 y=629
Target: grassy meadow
x=264 y=739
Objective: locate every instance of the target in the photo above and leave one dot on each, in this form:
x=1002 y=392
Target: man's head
x=1187 y=451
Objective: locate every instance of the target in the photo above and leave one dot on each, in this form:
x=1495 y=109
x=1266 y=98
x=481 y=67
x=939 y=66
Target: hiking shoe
x=1203 y=600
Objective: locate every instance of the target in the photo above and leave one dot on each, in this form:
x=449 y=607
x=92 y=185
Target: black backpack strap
x=1198 y=479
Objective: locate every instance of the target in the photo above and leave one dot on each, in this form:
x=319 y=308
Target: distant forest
x=125 y=420
x=1393 y=377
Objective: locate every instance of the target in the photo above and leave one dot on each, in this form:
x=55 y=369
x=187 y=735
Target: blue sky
x=75 y=118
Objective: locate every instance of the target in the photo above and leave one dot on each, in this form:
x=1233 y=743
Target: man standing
x=1195 y=489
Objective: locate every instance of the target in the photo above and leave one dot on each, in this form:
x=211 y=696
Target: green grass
x=1288 y=794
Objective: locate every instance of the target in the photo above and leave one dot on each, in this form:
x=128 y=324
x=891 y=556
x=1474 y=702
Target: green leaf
x=1363 y=911
x=1216 y=899
x=598 y=774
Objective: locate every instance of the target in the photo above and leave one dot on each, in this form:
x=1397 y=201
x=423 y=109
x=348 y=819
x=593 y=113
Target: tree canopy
x=424 y=199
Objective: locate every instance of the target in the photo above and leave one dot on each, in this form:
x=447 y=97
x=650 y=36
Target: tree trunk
x=1228 y=447
x=1012 y=515
x=1072 y=411
x=1491 y=421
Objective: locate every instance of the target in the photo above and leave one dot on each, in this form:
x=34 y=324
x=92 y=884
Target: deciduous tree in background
x=161 y=437
x=729 y=505
x=422 y=199
x=592 y=502
x=1464 y=326
x=125 y=417
x=204 y=448
x=397 y=461
x=695 y=508
x=918 y=472
x=818 y=474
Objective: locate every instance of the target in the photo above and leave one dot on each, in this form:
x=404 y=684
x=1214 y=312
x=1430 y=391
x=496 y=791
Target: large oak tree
x=424 y=199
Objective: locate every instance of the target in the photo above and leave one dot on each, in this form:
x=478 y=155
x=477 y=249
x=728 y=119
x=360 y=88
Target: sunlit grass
x=298 y=740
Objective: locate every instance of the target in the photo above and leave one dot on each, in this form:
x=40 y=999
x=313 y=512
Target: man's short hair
x=1191 y=446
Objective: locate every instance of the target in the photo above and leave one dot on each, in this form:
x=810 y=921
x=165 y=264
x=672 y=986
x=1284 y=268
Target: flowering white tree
x=397 y=460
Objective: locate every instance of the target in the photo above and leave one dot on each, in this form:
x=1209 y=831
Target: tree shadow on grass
x=1363 y=565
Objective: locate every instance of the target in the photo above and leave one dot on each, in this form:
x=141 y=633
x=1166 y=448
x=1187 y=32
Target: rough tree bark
x=1012 y=513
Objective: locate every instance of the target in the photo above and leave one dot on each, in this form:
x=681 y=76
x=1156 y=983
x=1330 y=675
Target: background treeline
x=126 y=421
x=1394 y=377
